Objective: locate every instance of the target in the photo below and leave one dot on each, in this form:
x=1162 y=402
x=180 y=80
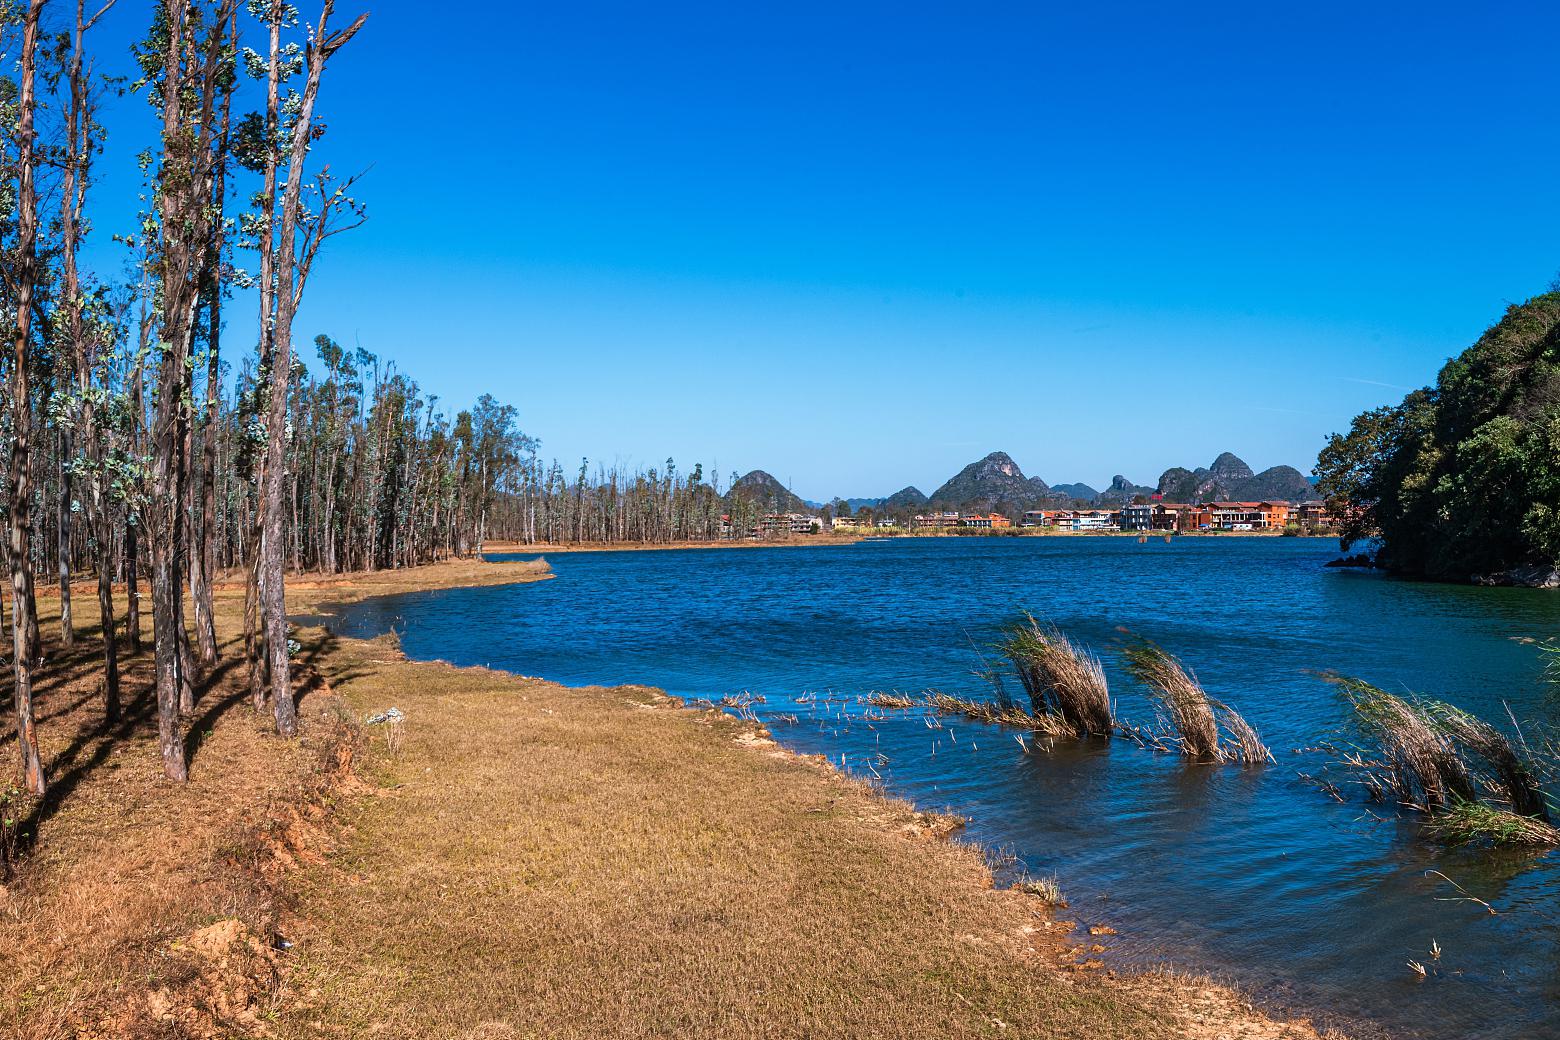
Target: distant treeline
x=539 y=502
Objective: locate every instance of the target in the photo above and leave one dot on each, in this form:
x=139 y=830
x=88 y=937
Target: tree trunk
x=67 y=621
x=23 y=610
x=133 y=585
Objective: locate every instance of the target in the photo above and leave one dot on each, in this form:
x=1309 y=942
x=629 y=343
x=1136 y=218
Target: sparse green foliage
x=1465 y=823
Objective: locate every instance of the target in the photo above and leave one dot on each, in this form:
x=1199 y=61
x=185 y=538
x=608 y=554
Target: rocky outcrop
x=1122 y=490
x=1534 y=576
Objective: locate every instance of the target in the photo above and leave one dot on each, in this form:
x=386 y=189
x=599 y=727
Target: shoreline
x=579 y=837
x=1207 y=1003
x=818 y=540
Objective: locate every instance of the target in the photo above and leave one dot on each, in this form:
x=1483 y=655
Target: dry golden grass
x=120 y=867
x=534 y=862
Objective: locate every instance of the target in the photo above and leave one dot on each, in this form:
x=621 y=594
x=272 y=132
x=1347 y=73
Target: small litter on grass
x=393 y=715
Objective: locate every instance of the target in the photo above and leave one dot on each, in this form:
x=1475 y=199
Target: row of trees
x=538 y=502
x=144 y=445
x=136 y=447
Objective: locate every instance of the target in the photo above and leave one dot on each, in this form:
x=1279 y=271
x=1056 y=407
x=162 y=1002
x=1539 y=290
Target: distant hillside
x=997 y=483
x=992 y=481
x=906 y=498
x=1081 y=492
x=1122 y=491
x=1230 y=479
x=764 y=491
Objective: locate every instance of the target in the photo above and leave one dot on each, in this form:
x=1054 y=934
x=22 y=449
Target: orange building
x=984 y=521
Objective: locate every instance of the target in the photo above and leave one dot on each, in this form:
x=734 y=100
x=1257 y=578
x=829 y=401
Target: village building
x=1087 y=520
x=937 y=520
x=985 y=520
x=1179 y=516
x=1137 y=517
x=1249 y=516
x=1314 y=514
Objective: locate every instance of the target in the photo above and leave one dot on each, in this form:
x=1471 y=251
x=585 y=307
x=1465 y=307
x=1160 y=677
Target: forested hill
x=1462 y=480
x=1230 y=479
x=764 y=491
x=989 y=482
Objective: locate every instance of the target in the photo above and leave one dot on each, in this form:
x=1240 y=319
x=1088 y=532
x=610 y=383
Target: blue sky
x=860 y=245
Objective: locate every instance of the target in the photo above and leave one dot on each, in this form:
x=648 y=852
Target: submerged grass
x=1245 y=743
x=1466 y=823
x=1180 y=694
x=1473 y=782
x=997 y=714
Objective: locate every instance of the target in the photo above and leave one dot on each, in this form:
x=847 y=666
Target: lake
x=1249 y=874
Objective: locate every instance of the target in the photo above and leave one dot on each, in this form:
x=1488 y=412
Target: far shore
x=855 y=537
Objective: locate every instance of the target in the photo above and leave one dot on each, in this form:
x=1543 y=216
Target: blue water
x=1251 y=875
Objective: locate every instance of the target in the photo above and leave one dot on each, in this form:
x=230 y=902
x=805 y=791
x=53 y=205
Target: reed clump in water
x=1064 y=681
x=1512 y=776
x=1245 y=743
x=1420 y=765
x=1193 y=715
x=1045 y=889
x=1181 y=696
x=1426 y=748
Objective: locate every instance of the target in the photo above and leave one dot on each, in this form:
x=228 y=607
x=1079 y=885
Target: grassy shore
x=520 y=859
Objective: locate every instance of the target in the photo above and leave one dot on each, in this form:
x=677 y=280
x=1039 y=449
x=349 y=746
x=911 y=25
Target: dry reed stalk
x=1420 y=758
x=1046 y=889
x=1182 y=697
x=1063 y=679
x=1245 y=744
x=891 y=700
x=995 y=714
x=1513 y=775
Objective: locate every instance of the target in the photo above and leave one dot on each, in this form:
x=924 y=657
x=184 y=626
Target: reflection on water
x=1247 y=873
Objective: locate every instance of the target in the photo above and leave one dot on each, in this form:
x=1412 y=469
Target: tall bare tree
x=193 y=61
x=291 y=270
x=24 y=282
x=76 y=164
